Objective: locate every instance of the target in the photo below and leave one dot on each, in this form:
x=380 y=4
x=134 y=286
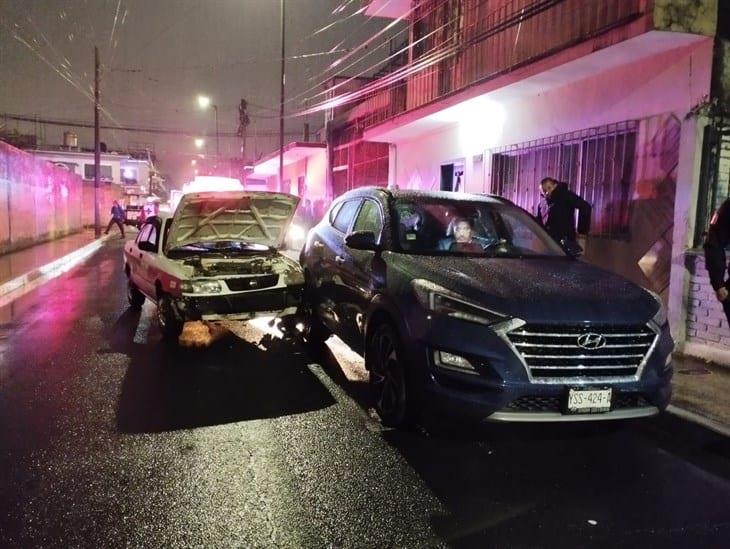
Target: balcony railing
x=471 y=41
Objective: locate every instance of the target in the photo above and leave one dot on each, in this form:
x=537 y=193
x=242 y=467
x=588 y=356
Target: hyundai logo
x=591 y=341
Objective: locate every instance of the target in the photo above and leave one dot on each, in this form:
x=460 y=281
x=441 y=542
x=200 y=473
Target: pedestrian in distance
x=117 y=217
x=308 y=214
x=717 y=239
x=556 y=213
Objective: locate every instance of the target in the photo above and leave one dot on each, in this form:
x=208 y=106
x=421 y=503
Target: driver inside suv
x=463 y=237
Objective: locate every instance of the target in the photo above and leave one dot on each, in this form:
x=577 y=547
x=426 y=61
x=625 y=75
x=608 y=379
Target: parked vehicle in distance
x=217 y=258
x=134 y=201
x=464 y=305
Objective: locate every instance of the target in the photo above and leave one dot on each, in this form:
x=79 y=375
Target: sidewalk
x=26 y=269
x=702 y=392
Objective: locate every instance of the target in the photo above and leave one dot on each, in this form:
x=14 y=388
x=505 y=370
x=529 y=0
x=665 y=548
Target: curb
x=20 y=285
x=700 y=420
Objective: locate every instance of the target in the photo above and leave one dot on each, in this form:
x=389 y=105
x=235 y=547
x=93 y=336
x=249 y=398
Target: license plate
x=589 y=401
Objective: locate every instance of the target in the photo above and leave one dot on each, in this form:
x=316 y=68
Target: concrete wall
x=38 y=201
x=107 y=194
x=313 y=169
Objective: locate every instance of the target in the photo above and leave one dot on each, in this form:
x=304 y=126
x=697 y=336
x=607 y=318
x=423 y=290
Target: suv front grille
x=553 y=354
x=246 y=283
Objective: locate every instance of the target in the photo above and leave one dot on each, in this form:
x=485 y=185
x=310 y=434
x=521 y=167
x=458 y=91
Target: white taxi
x=219 y=257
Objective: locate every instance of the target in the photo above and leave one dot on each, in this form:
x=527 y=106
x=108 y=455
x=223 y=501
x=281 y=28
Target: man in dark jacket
x=117 y=217
x=556 y=212
x=718 y=237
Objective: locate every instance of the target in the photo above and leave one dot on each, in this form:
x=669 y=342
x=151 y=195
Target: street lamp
x=199 y=142
x=204 y=102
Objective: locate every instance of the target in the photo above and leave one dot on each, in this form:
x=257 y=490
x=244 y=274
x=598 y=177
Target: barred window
x=597 y=164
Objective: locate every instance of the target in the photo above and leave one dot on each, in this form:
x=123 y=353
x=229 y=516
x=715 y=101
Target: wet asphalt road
x=109 y=438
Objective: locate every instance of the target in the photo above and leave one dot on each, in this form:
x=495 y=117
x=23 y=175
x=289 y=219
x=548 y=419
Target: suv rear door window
x=369 y=219
x=343 y=219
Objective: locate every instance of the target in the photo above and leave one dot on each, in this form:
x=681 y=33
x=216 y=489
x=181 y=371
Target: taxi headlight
x=201 y=287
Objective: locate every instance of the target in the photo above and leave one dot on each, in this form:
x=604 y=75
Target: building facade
x=116 y=168
x=618 y=98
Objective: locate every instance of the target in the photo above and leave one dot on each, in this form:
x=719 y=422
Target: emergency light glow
x=212 y=183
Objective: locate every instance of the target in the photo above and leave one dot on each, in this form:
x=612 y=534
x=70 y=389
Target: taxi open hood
x=255 y=217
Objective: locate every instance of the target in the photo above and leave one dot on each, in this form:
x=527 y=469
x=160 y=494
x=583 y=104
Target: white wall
x=673 y=81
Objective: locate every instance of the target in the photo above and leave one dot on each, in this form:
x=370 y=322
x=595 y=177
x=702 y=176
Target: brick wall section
x=706 y=321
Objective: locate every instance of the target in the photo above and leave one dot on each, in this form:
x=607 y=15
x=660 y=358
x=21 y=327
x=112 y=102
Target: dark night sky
x=227 y=49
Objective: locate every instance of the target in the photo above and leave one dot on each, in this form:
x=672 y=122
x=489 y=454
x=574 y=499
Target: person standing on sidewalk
x=556 y=213
x=117 y=217
x=717 y=239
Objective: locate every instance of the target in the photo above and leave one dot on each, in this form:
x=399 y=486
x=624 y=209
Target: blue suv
x=464 y=305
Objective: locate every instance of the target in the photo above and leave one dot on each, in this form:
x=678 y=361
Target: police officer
x=556 y=212
x=718 y=237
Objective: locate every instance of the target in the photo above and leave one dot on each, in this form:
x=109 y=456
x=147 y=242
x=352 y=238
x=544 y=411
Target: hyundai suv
x=464 y=305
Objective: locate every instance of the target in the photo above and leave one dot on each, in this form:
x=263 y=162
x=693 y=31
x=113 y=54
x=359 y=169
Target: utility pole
x=217 y=137
x=243 y=121
x=97 y=145
x=281 y=100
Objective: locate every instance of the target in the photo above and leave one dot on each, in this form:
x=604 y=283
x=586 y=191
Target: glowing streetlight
x=193 y=162
x=204 y=102
x=199 y=142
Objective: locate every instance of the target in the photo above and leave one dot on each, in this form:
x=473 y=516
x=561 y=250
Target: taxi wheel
x=134 y=296
x=170 y=326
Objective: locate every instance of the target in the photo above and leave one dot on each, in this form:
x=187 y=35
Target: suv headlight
x=201 y=287
x=442 y=301
x=660 y=318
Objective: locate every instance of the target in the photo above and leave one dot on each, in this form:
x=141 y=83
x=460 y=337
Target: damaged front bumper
x=281 y=301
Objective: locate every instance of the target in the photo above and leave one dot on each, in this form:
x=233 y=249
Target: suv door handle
x=339 y=259
x=317 y=244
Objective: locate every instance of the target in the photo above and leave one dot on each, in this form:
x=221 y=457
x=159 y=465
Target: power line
x=438 y=55
x=154 y=130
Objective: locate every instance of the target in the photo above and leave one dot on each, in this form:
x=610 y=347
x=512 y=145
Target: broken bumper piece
x=241 y=306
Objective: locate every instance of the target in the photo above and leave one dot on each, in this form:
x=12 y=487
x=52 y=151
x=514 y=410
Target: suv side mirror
x=146 y=246
x=362 y=240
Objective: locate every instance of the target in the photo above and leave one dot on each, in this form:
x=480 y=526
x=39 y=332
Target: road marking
x=21 y=285
x=145 y=320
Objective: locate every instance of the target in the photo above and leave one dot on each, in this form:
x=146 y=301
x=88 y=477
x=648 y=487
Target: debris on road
x=199 y=334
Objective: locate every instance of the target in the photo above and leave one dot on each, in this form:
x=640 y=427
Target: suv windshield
x=458 y=227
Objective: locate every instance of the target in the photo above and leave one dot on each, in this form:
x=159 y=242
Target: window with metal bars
x=598 y=164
